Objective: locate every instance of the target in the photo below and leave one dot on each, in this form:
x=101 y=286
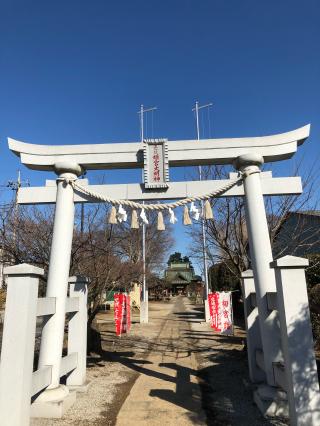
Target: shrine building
x=179 y=275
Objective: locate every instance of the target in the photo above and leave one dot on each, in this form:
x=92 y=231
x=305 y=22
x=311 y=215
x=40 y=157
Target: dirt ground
x=173 y=370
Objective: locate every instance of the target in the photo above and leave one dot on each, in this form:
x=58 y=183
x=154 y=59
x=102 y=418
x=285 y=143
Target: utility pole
x=144 y=310
x=204 y=245
x=15 y=186
x=82 y=219
x=82 y=213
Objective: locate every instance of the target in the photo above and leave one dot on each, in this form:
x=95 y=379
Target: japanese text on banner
x=122 y=313
x=220 y=309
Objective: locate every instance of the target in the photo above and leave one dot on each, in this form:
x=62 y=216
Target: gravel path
x=227 y=393
x=176 y=365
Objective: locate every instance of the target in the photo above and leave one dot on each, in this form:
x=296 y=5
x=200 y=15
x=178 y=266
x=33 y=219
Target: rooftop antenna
x=142 y=111
x=144 y=286
x=197 y=108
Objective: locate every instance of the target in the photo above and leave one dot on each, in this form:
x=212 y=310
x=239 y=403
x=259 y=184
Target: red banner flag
x=220 y=309
x=122 y=313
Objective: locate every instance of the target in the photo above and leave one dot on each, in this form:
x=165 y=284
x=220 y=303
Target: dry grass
x=2 y=299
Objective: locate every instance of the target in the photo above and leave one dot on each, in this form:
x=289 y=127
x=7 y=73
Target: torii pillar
x=58 y=274
x=261 y=256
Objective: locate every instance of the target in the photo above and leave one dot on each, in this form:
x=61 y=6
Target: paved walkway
x=150 y=376
x=167 y=391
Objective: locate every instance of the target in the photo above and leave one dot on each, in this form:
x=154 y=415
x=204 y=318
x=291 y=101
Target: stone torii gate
x=247 y=155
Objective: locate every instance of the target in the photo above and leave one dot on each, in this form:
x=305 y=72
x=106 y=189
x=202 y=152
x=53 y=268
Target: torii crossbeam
x=177 y=190
x=181 y=153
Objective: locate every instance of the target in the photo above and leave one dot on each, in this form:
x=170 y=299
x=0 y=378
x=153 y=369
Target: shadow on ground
x=226 y=393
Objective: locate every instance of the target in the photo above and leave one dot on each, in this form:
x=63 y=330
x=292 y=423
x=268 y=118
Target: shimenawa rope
x=160 y=206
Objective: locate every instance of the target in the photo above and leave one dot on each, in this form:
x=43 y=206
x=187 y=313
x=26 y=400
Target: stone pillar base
x=51 y=404
x=80 y=388
x=271 y=401
x=144 y=313
x=206 y=311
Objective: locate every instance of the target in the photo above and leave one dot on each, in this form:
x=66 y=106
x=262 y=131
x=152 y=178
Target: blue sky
x=76 y=72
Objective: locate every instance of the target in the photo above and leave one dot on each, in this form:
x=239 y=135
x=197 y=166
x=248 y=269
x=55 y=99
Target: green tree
x=175 y=257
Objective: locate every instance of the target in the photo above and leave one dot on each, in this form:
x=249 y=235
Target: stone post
x=77 y=334
x=297 y=341
x=206 y=310
x=57 y=286
x=251 y=317
x=18 y=342
x=261 y=256
x=144 y=310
